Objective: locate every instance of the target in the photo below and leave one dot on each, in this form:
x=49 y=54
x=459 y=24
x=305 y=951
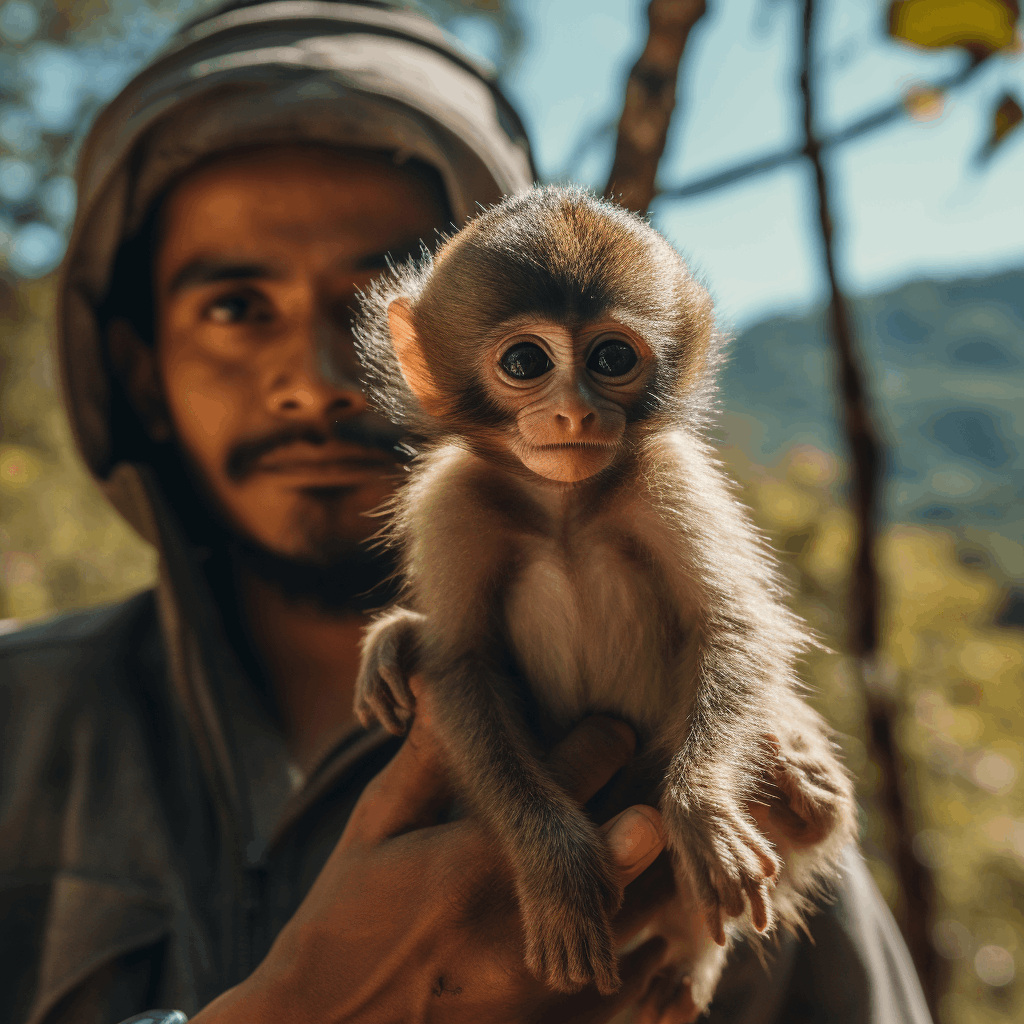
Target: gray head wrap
x=279 y=72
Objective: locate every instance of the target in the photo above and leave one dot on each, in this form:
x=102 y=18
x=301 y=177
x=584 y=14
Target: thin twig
x=917 y=891
x=650 y=100
x=780 y=158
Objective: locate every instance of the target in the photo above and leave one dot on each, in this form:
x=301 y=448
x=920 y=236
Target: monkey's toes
x=814 y=791
x=572 y=951
x=668 y=1000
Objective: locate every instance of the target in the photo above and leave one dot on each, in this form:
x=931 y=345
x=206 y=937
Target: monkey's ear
x=412 y=359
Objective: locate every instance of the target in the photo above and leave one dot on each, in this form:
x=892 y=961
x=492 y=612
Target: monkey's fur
x=639 y=589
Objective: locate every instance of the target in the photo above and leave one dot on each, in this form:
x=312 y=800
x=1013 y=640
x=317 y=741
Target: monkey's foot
x=566 y=913
x=382 y=687
x=814 y=789
x=730 y=864
x=669 y=998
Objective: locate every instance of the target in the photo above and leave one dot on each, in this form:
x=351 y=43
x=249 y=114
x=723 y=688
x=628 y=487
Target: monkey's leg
x=693 y=963
x=382 y=687
x=811 y=796
x=566 y=882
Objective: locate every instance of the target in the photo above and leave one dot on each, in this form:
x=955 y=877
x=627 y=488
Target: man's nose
x=309 y=378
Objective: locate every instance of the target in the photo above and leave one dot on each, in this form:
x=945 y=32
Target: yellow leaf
x=979 y=26
x=924 y=103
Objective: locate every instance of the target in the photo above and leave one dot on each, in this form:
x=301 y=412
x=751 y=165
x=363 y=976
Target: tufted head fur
x=559 y=254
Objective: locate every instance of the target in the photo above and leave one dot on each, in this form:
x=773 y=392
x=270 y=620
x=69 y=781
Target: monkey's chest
x=592 y=633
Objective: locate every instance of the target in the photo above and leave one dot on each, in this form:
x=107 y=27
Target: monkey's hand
x=382 y=687
x=567 y=903
x=727 y=860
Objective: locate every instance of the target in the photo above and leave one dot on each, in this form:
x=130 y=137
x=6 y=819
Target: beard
x=326 y=569
x=332 y=575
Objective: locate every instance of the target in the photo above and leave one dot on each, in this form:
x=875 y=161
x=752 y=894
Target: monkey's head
x=554 y=332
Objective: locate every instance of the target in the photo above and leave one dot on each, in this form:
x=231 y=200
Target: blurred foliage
x=956 y=674
x=956 y=678
x=982 y=28
x=61 y=545
x=62 y=60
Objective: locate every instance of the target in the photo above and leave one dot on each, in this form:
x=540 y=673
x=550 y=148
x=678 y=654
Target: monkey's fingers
x=759 y=896
x=713 y=916
x=383 y=695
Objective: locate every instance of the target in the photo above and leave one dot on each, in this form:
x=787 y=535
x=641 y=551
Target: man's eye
x=236 y=309
x=526 y=361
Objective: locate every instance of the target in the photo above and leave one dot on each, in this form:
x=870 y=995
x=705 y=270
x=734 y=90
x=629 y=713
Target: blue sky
x=908 y=201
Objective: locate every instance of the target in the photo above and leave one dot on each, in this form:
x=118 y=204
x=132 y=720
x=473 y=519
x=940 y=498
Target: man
x=191 y=818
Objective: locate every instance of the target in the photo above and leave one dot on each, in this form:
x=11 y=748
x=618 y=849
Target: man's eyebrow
x=398 y=253
x=206 y=270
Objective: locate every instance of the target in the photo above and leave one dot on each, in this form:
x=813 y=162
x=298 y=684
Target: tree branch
x=650 y=100
x=770 y=161
x=916 y=885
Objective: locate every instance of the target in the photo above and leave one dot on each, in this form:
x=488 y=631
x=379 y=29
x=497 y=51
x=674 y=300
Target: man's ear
x=135 y=365
x=412 y=359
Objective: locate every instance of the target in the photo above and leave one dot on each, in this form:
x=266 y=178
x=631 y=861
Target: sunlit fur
x=643 y=592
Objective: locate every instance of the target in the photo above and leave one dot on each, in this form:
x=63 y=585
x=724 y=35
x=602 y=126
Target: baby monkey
x=571 y=547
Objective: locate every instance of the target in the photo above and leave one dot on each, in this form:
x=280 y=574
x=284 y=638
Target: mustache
x=243 y=457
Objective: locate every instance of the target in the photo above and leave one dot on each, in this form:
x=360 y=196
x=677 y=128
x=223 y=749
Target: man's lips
x=307 y=459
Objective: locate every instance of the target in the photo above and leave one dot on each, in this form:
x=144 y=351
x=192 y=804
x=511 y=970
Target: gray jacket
x=153 y=837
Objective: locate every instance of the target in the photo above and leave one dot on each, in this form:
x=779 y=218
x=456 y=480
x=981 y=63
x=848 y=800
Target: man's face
x=259 y=261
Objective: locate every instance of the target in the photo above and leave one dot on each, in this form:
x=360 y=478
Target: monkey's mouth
x=574 y=445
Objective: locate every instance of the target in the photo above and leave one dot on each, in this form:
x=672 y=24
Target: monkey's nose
x=575 y=421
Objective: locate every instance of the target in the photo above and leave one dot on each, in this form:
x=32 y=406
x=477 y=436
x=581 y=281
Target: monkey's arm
x=737 y=673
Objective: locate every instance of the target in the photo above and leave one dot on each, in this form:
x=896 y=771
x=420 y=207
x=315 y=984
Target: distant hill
x=946 y=367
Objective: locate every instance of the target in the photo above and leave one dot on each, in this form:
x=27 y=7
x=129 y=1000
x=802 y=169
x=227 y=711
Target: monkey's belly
x=592 y=636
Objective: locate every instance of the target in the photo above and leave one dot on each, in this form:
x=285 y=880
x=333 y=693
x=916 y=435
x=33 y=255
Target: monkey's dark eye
x=526 y=361
x=612 y=359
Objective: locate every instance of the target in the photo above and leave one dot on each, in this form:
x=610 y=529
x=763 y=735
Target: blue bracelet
x=158 y=1017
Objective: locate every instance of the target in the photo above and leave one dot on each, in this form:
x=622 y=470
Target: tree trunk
x=650 y=100
x=917 y=890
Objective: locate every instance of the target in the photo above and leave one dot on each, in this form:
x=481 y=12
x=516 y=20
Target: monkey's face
x=568 y=393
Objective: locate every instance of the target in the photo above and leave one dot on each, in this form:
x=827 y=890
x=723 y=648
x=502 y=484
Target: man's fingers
x=590 y=755
x=408 y=794
x=635 y=837
x=645 y=900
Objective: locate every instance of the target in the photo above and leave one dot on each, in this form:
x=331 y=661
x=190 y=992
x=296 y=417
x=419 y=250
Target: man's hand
x=412 y=920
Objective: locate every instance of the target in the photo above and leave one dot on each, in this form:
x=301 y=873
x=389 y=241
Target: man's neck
x=311 y=658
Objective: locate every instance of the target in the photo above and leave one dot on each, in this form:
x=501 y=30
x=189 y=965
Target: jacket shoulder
x=93 y=626
x=70 y=659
